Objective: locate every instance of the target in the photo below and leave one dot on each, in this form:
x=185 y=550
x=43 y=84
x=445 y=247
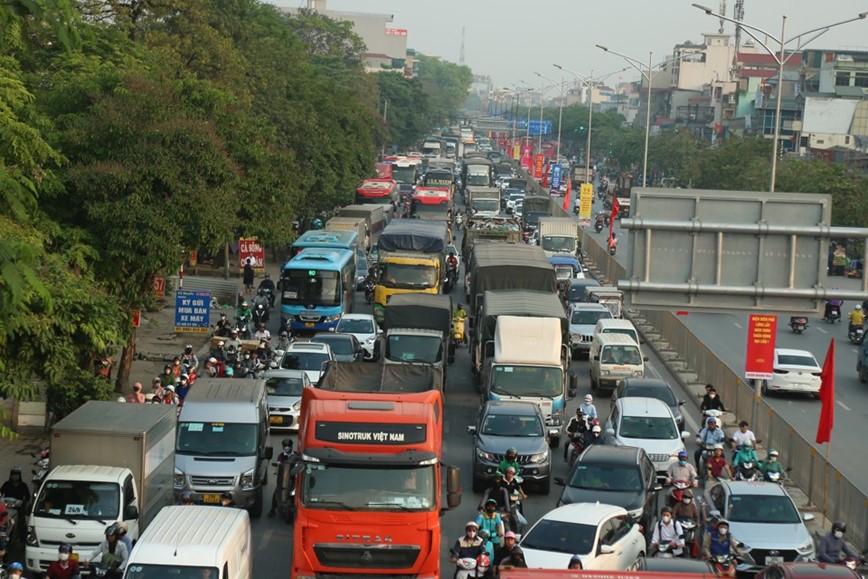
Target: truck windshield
x=79 y=499
x=419 y=349
x=217 y=438
x=477 y=180
x=303 y=287
x=559 y=244
x=527 y=381
x=486 y=205
x=368 y=488
x=139 y=571
x=404 y=174
x=407 y=276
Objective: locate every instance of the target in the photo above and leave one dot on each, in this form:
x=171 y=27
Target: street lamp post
x=781 y=59
x=560 y=113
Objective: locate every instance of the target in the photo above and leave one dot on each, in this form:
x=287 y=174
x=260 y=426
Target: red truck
x=369 y=497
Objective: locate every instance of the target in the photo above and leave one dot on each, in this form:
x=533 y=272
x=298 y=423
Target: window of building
x=862 y=79
x=842 y=79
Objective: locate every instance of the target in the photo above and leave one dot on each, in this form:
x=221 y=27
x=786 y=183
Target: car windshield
x=340 y=345
x=661 y=393
x=796 y=360
x=589 y=318
x=560 y=537
x=284 y=386
x=598 y=477
x=350 y=326
x=155 y=571
x=312 y=361
x=511 y=425
x=415 y=349
x=217 y=438
x=78 y=499
x=362 y=488
x=767 y=509
x=623 y=331
x=648 y=427
x=527 y=381
x=628 y=355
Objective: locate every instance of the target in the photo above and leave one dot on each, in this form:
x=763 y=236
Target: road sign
x=759 y=359
x=192 y=311
x=557 y=172
x=586 y=203
x=537 y=128
x=159 y=287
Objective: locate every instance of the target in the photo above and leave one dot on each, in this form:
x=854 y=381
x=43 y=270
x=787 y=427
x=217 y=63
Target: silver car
x=583 y=320
x=284 y=388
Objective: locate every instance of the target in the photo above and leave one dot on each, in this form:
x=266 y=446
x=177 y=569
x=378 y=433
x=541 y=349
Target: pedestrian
x=248 y=276
x=136 y=395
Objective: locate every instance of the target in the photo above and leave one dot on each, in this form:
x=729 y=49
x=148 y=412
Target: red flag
x=827 y=397
x=567 y=195
x=616 y=208
x=545 y=177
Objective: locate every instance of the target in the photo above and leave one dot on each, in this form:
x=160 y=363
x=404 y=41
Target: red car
x=806 y=571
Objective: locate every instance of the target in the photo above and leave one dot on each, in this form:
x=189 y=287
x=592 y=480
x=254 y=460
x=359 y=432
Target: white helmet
x=858 y=307
x=589 y=398
x=596 y=429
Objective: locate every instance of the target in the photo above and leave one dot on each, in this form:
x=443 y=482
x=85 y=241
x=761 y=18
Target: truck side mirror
x=269 y=452
x=573 y=386
x=131 y=512
x=471 y=430
x=453 y=489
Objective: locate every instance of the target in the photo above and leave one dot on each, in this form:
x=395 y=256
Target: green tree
x=677 y=155
x=446 y=84
x=849 y=190
x=738 y=164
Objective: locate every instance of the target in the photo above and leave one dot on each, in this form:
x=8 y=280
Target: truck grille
x=367 y=556
x=522 y=458
x=658 y=457
x=202 y=481
x=77 y=546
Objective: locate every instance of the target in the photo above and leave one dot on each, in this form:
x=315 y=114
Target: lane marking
x=842 y=405
x=819 y=329
x=737 y=325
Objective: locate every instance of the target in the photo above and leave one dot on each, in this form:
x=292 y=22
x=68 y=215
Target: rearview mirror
x=606 y=549
x=714 y=513
x=471 y=430
x=131 y=512
x=681 y=403
x=685 y=435
x=610 y=432
x=644 y=358
x=559 y=481
x=807 y=517
x=269 y=452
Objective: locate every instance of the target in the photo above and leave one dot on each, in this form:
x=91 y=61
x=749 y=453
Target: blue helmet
x=15 y=567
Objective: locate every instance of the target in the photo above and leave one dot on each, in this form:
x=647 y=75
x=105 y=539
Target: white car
x=794 y=371
x=284 y=388
x=365 y=329
x=602 y=535
x=308 y=356
x=648 y=424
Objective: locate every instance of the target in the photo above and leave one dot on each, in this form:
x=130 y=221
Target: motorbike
x=748 y=471
x=677 y=492
x=515 y=515
x=724 y=565
x=798 y=324
x=598 y=225
x=689 y=528
x=265 y=297
x=284 y=491
x=834 y=314
x=13 y=506
x=459 y=220
x=458 y=330
x=260 y=315
x=613 y=249
x=665 y=551
x=856 y=334
x=242 y=326
x=42 y=467
x=469 y=567
x=774 y=477
x=577 y=445
x=451 y=279
x=707 y=452
x=369 y=291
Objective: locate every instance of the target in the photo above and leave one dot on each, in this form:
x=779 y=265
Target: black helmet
x=286 y=442
x=64 y=548
x=575 y=559
x=226 y=495
x=666 y=509
x=839 y=526
x=113 y=530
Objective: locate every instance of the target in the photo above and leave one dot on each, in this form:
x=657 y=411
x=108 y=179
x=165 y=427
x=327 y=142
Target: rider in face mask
x=832 y=545
x=64 y=567
x=686 y=509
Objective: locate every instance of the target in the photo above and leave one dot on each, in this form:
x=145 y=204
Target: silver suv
x=583 y=320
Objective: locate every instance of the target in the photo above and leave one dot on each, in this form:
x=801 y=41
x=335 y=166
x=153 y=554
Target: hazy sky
x=509 y=40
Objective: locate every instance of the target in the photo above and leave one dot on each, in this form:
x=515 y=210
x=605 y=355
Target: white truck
x=484 y=201
x=559 y=235
x=530 y=363
x=110 y=462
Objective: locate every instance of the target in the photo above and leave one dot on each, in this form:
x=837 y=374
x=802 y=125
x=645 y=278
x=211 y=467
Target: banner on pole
x=586 y=203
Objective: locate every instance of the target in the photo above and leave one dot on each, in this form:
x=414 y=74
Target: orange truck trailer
x=369 y=498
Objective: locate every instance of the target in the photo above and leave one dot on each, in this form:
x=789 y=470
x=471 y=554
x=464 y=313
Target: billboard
x=192 y=312
x=586 y=203
x=250 y=248
x=759 y=358
x=538 y=161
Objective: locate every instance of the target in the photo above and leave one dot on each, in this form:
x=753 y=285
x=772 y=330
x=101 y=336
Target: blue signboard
x=557 y=172
x=192 y=311
x=534 y=128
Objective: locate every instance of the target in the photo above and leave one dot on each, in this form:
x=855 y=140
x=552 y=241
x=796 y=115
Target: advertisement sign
x=759 y=357
x=538 y=161
x=586 y=202
x=250 y=248
x=396 y=32
x=557 y=175
x=192 y=312
x=526 y=157
x=537 y=128
x=516 y=152
x=159 y=287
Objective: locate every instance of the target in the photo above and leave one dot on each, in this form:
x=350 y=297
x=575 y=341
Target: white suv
x=365 y=329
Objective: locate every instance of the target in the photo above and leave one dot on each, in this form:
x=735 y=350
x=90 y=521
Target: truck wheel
x=256 y=509
x=545 y=486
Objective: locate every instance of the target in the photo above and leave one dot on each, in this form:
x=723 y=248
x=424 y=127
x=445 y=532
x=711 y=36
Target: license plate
x=275 y=419
x=774 y=560
x=211 y=499
x=309 y=324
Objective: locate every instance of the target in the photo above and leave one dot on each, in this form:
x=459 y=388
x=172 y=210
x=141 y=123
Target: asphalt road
x=726 y=335
x=272 y=538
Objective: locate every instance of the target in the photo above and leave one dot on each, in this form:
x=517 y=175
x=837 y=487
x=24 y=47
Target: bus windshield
x=311 y=287
x=404 y=174
x=407 y=276
x=371 y=488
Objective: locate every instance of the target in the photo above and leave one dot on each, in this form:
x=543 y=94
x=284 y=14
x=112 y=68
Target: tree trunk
x=126 y=363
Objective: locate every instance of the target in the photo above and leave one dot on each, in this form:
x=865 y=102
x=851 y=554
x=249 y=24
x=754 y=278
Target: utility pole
x=461 y=52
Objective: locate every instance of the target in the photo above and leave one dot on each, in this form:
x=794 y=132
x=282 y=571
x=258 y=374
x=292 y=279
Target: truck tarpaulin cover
x=420 y=236
x=419 y=311
x=521 y=303
x=496 y=266
x=365 y=377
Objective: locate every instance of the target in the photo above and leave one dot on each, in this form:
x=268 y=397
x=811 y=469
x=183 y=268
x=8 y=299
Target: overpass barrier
x=811 y=472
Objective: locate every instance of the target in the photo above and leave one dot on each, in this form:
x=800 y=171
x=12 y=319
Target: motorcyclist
x=112 y=552
x=668 y=531
x=576 y=429
x=708 y=436
x=64 y=567
x=830 y=305
x=613 y=243
x=452 y=262
x=832 y=545
x=459 y=313
x=222 y=327
x=745 y=453
x=489 y=520
x=711 y=400
x=502 y=553
x=14 y=570
x=587 y=407
x=686 y=509
x=167 y=378
x=856 y=317
x=575 y=562
x=283 y=340
x=219 y=352
x=170 y=397
x=16 y=488
x=244 y=312
x=720 y=542
x=469 y=546
x=771 y=464
x=183 y=388
x=234 y=341
x=214 y=368
x=511 y=482
x=510 y=460
x=496 y=492
x=741 y=435
x=248 y=366
x=716 y=463
x=262 y=333
x=287 y=454
x=594 y=436
x=267 y=284
x=682 y=470
x=189 y=361
x=226 y=500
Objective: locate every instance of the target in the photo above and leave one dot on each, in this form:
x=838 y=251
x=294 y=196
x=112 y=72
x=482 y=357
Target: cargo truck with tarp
x=491 y=229
x=497 y=266
x=366 y=377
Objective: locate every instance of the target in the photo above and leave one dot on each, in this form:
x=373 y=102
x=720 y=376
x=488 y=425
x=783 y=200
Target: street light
x=542 y=91
x=560 y=113
x=781 y=60
x=649 y=78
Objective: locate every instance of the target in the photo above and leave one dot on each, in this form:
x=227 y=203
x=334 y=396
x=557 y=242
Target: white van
x=613 y=358
x=616 y=326
x=184 y=541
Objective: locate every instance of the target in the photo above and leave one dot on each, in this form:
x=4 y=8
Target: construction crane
x=722 y=11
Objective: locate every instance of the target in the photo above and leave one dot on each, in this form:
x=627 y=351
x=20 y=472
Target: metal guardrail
x=810 y=470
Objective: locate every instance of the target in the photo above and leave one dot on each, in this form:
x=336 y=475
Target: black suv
x=622 y=476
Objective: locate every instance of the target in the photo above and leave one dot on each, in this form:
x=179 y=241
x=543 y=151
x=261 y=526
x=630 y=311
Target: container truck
x=503 y=229
x=110 y=463
x=376 y=218
x=370 y=493
x=536 y=206
x=496 y=266
x=355 y=224
x=365 y=377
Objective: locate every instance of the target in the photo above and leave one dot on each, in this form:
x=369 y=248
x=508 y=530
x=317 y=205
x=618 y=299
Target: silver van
x=221 y=444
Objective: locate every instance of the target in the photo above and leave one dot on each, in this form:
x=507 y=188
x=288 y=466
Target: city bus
x=377 y=192
x=324 y=239
x=432 y=203
x=317 y=288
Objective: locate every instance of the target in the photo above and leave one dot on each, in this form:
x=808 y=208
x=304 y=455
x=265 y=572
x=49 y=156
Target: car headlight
x=481 y=454
x=604 y=372
x=635 y=514
x=334 y=318
x=178 y=481
x=540 y=457
x=638 y=373
x=296 y=405
x=32 y=540
x=371 y=340
x=805 y=549
x=247 y=480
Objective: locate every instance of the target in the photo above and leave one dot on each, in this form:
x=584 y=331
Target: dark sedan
x=345 y=347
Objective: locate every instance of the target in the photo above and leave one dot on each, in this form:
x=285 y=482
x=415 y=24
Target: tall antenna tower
x=461 y=54
x=722 y=11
